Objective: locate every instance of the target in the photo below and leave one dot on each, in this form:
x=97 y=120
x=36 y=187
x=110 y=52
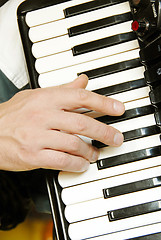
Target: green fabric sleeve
x=7 y=88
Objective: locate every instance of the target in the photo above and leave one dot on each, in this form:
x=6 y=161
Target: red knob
x=140 y=26
x=135 y=26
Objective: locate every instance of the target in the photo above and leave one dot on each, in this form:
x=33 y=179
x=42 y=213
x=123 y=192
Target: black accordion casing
x=147 y=25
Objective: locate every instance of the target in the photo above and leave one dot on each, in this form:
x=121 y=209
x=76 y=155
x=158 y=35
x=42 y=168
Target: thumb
x=79 y=82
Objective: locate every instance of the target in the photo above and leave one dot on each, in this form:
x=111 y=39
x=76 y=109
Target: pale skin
x=38 y=128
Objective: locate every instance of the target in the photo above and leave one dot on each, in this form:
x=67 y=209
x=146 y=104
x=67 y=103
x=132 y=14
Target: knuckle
x=81 y=124
x=22 y=135
x=104 y=102
x=62 y=161
x=82 y=94
x=27 y=149
x=27 y=142
x=106 y=134
x=75 y=144
x=27 y=155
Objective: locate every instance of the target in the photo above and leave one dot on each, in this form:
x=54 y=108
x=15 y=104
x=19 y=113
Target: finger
x=70 y=99
x=51 y=159
x=83 y=125
x=79 y=82
x=69 y=143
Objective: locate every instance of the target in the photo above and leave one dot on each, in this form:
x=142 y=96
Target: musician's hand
x=38 y=128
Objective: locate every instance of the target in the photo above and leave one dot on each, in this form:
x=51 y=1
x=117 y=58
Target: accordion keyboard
x=119 y=197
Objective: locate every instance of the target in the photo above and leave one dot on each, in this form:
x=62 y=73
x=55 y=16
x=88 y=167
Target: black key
x=153 y=74
x=2 y=2
x=155 y=236
x=98 y=144
x=133 y=134
x=141 y=132
x=114 y=68
x=103 y=43
x=134 y=210
x=128 y=157
x=89 y=6
x=151 y=52
x=122 y=87
x=98 y=24
x=129 y=114
x=155 y=95
x=132 y=187
x=157 y=116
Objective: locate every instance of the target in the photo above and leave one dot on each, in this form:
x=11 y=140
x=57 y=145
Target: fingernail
x=118 y=139
x=85 y=166
x=83 y=75
x=95 y=156
x=119 y=107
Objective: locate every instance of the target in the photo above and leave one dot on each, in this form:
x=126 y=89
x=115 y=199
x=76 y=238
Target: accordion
x=117 y=43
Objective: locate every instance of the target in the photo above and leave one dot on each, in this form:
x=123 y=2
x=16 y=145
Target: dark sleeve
x=15 y=200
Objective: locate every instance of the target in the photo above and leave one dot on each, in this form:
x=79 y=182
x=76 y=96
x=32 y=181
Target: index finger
x=71 y=99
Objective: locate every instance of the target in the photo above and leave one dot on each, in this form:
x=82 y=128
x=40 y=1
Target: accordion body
x=117 y=43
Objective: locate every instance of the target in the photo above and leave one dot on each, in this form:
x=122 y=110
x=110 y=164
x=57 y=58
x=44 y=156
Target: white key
x=67 y=179
x=58 y=28
x=99 y=207
x=131 y=233
x=50 y=13
x=94 y=190
x=137 y=103
x=128 y=125
x=141 y=122
x=65 y=43
x=109 y=80
x=130 y=146
x=70 y=73
x=65 y=59
x=128 y=105
x=127 y=96
x=116 y=78
x=101 y=225
x=132 y=95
